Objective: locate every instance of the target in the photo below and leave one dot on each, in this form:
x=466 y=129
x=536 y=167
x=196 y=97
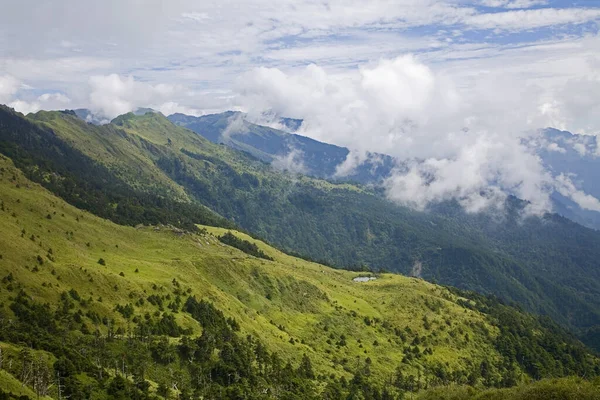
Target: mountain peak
x=139 y=114
x=145 y=110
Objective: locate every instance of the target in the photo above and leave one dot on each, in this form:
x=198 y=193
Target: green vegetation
x=200 y=318
x=267 y=144
x=247 y=247
x=89 y=185
x=563 y=389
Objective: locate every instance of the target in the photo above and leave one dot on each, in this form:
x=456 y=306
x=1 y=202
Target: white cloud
x=519 y=20
x=565 y=186
x=47 y=101
x=55 y=97
x=204 y=46
x=8 y=87
x=236 y=124
x=388 y=99
x=580 y=148
x=513 y=3
x=479 y=176
x=196 y=16
x=58 y=70
x=353 y=160
x=171 y=107
x=554 y=147
x=463 y=133
x=292 y=162
x=579 y=101
x=24 y=107
x=113 y=95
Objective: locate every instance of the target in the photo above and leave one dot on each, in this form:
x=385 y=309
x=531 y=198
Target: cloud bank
x=113 y=95
x=459 y=139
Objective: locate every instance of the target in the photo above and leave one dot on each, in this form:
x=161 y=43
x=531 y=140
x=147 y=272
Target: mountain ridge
x=316 y=158
x=576 y=158
x=578 y=155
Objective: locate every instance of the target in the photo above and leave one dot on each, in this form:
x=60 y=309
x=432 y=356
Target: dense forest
x=243 y=245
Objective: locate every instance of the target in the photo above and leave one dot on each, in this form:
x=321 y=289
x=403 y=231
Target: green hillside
x=145 y=170
x=110 y=311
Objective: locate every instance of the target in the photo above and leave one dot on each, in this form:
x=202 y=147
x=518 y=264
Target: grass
x=549 y=389
x=115 y=149
x=10 y=384
x=157 y=129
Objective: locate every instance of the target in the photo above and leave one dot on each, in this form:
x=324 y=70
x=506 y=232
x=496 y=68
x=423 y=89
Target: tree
x=305 y=369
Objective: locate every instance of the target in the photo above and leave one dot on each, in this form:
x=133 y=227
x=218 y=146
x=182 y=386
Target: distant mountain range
x=575 y=156
x=285 y=150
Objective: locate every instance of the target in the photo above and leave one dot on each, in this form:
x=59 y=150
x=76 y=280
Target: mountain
x=92 y=309
x=144 y=110
x=97 y=119
x=562 y=153
x=577 y=158
x=89 y=117
x=284 y=150
x=290 y=124
x=146 y=170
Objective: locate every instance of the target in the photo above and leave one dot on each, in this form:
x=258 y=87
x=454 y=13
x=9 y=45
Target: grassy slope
x=468 y=258
x=116 y=150
x=305 y=297
x=156 y=129
x=10 y=384
x=551 y=389
x=132 y=145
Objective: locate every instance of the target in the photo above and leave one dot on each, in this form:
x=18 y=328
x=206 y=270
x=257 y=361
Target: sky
x=453 y=86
